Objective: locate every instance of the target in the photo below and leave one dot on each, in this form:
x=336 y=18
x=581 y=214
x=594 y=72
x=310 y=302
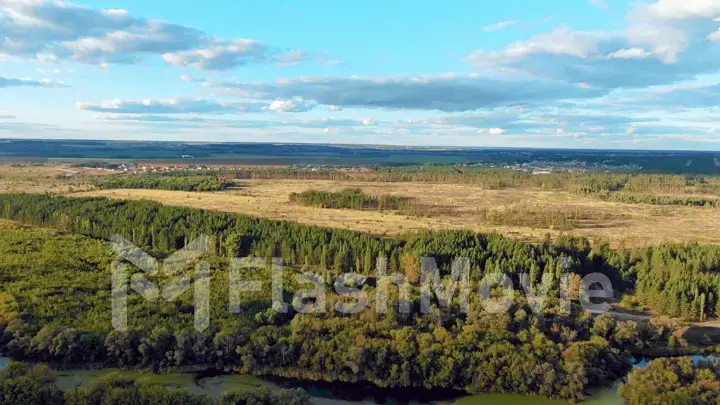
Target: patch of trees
x=351 y=198
x=34 y=385
x=673 y=381
x=162 y=182
x=97 y=165
x=680 y=280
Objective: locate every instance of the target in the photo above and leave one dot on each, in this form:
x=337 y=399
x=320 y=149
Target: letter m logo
x=173 y=265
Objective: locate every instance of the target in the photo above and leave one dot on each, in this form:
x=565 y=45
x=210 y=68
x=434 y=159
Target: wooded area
x=673 y=381
x=57 y=304
x=166 y=182
x=674 y=279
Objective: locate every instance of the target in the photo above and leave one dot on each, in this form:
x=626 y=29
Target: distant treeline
x=539 y=216
x=35 y=385
x=166 y=182
x=629 y=198
x=97 y=165
x=626 y=188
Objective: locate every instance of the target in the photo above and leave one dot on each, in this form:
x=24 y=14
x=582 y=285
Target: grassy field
x=457 y=207
x=454 y=206
x=45 y=178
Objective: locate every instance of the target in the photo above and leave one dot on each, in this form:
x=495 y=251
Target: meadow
x=530 y=208
x=454 y=206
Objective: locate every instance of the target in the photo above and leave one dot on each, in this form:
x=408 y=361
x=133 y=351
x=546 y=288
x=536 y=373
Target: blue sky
x=571 y=73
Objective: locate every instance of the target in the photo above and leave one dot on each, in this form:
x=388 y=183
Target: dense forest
x=165 y=182
x=56 y=309
x=55 y=306
x=34 y=385
x=673 y=381
x=673 y=279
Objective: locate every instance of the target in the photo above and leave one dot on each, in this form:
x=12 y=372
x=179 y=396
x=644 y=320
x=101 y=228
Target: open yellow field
x=633 y=225
x=50 y=178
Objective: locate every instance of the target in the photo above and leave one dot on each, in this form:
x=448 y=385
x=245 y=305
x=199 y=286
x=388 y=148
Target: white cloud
x=335 y=108
x=499 y=25
x=54 y=30
x=221 y=55
x=662 y=43
x=292 y=58
x=368 y=121
x=497 y=131
x=170 y=106
x=631 y=53
x=714 y=36
x=683 y=9
x=449 y=92
x=296 y=104
x=599 y=4
x=561 y=41
x=27 y=82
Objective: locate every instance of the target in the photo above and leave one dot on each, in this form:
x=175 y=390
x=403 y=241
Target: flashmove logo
x=495 y=290
x=173 y=265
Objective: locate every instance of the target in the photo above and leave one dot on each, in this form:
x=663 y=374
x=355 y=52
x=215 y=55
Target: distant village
x=571 y=166
x=534 y=167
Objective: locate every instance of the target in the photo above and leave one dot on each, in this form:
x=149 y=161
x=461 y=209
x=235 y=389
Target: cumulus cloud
x=292 y=58
x=53 y=30
x=683 y=9
x=221 y=55
x=439 y=92
x=631 y=53
x=292 y=105
x=170 y=106
x=499 y=25
x=714 y=36
x=686 y=96
x=13 y=82
x=663 y=42
x=543 y=120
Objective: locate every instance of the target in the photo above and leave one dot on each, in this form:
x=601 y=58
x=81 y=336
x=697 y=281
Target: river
x=323 y=393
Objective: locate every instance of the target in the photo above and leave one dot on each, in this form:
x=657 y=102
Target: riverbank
x=321 y=393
